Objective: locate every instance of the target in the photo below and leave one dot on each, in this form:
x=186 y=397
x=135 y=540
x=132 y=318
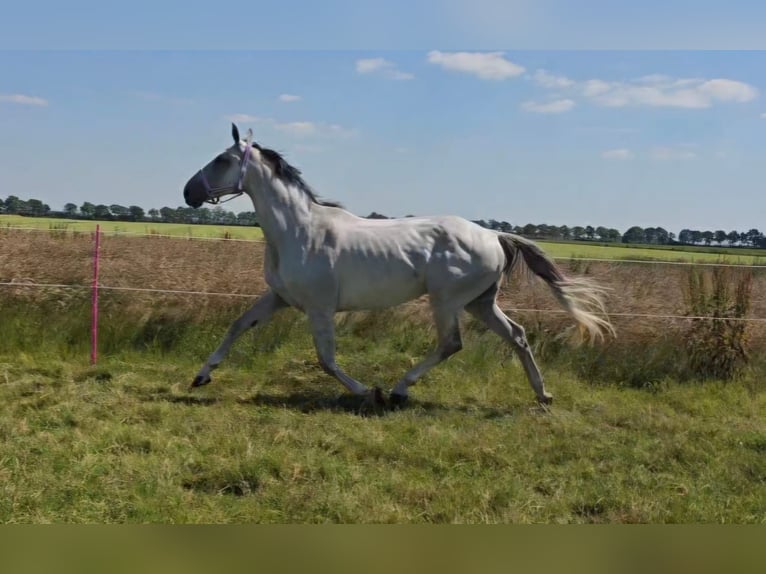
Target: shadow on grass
x=309 y=401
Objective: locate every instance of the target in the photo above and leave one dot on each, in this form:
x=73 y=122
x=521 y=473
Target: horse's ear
x=235 y=132
x=249 y=139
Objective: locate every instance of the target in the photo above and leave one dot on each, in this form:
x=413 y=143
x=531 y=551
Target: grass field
x=132 y=227
x=556 y=249
x=273 y=439
x=634 y=435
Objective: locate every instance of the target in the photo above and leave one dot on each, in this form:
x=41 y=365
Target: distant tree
x=578 y=232
x=634 y=235
x=70 y=209
x=154 y=214
x=494 y=224
x=376 y=215
x=752 y=237
x=565 y=232
x=228 y=218
x=187 y=214
x=685 y=236
x=720 y=236
x=707 y=237
x=167 y=215
x=476 y=221
x=204 y=215
x=603 y=233
x=88 y=210
x=37 y=208
x=14 y=205
x=136 y=212
x=530 y=230
x=247 y=218
x=119 y=211
x=506 y=227
x=102 y=212
x=548 y=231
x=656 y=235
x=696 y=236
x=590 y=232
x=614 y=235
x=732 y=237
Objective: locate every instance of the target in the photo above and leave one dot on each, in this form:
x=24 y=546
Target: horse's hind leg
x=487 y=311
x=260 y=312
x=449 y=343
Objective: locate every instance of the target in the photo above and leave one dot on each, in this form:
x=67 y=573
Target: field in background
x=132 y=227
x=556 y=249
x=632 y=437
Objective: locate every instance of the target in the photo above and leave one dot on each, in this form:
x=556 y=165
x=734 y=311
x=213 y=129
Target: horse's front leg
x=323 y=331
x=260 y=312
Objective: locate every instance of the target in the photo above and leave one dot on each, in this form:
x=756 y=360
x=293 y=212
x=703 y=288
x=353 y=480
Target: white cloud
x=548 y=80
x=23 y=100
x=553 y=107
x=620 y=153
x=664 y=91
x=671 y=154
x=287 y=98
x=654 y=90
x=485 y=65
x=382 y=67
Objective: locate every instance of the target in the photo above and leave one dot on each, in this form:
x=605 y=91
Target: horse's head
x=224 y=175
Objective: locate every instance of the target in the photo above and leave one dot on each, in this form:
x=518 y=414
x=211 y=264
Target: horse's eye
x=220 y=160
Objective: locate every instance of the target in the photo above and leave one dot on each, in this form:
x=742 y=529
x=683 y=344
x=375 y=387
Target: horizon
x=615 y=139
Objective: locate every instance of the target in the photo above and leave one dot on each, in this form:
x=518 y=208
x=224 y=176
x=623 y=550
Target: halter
x=214 y=194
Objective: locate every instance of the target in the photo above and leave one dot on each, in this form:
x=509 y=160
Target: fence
x=96 y=286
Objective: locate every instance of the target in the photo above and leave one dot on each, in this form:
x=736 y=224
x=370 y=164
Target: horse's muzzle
x=194 y=192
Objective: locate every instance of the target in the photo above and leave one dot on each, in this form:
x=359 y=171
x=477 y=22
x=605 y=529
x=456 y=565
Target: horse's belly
x=378 y=291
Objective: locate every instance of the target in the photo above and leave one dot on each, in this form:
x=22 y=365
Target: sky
x=613 y=137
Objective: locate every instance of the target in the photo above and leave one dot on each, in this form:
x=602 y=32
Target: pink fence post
x=94 y=302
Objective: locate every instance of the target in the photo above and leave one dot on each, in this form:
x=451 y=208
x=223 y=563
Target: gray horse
x=322 y=259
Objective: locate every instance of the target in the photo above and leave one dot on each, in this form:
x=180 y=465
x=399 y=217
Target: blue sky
x=615 y=138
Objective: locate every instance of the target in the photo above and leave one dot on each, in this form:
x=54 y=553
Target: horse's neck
x=284 y=214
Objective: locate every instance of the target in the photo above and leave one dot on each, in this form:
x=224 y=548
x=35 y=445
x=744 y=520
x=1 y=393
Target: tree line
x=220 y=216
x=12 y=205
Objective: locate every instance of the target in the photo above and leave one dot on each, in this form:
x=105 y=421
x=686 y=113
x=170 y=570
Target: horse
x=321 y=259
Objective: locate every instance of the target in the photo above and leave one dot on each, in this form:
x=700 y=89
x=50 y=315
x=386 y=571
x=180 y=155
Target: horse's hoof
x=377 y=397
x=374 y=399
x=545 y=400
x=398 y=401
x=199 y=381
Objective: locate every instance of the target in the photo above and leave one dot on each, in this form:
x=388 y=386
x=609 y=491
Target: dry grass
x=235 y=267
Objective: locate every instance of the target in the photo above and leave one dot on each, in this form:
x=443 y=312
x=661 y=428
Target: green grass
x=273 y=439
x=698 y=254
x=556 y=249
x=177 y=229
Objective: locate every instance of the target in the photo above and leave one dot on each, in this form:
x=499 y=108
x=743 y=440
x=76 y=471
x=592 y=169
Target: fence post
x=94 y=300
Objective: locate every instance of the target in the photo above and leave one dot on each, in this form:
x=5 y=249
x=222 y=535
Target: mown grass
x=273 y=439
x=698 y=254
x=132 y=227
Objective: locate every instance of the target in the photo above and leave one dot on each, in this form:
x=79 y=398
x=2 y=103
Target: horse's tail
x=580 y=296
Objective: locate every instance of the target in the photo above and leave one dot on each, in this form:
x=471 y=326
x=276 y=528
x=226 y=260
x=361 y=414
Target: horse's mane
x=291 y=175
